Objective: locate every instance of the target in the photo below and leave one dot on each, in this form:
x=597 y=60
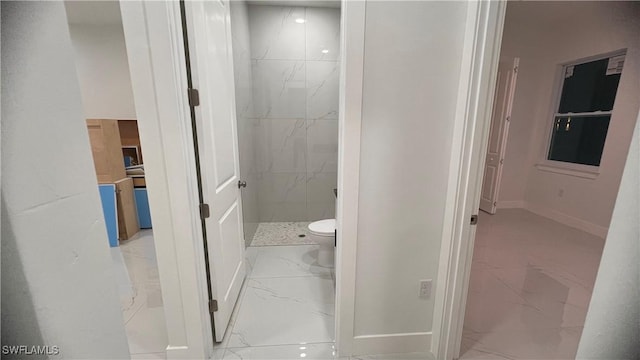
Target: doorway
x=535 y=261
x=119 y=158
x=159 y=77
x=282 y=133
x=498 y=133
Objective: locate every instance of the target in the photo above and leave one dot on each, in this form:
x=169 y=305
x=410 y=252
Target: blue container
x=110 y=210
x=142 y=204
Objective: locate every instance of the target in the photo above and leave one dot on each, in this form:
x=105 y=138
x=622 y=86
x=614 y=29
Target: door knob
x=242 y=184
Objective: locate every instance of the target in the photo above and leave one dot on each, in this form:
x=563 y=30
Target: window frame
x=562 y=167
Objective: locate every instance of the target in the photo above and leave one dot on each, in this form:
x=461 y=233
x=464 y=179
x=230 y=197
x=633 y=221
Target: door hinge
x=474 y=219
x=501 y=161
x=213 y=305
x=194 y=97
x=204 y=211
x=515 y=69
x=508 y=118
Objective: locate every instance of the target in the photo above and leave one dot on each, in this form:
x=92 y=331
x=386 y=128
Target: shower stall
x=286 y=75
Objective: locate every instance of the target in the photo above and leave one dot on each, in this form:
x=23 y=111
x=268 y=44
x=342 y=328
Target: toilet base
x=326 y=257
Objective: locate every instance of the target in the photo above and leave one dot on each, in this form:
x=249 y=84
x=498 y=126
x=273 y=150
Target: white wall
x=103 y=71
x=544 y=35
x=612 y=328
x=58 y=286
x=412 y=64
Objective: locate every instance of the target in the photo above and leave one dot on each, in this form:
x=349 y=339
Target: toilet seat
x=325 y=227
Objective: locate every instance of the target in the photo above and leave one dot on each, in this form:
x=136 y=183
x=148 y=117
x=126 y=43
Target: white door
x=211 y=62
x=500 y=118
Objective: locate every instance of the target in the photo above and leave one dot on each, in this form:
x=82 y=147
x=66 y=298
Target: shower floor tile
x=282 y=233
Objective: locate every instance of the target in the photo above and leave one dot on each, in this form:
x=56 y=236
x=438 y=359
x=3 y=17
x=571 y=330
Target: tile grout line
x=133 y=315
x=328 y=276
x=275 y=345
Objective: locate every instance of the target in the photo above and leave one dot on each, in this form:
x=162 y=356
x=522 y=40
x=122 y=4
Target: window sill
x=582 y=171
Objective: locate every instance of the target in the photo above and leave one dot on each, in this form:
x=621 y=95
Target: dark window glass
x=579 y=139
x=587 y=88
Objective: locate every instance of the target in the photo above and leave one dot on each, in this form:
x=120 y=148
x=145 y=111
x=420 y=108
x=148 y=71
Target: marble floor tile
x=282 y=233
x=130 y=302
x=250 y=254
x=147 y=332
x=140 y=245
x=288 y=261
x=549 y=343
x=282 y=352
x=125 y=287
x=220 y=347
x=405 y=356
x=141 y=296
x=479 y=354
x=149 y=356
x=278 y=311
x=530 y=287
x=146 y=295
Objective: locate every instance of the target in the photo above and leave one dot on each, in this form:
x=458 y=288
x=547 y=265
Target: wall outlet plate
x=425 y=288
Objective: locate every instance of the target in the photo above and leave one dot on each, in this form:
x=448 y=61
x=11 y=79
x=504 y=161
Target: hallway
x=531 y=283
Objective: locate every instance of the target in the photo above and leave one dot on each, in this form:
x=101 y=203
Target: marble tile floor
x=140 y=296
x=285 y=309
x=530 y=287
x=282 y=233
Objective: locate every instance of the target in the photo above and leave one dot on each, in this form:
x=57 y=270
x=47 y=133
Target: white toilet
x=323 y=233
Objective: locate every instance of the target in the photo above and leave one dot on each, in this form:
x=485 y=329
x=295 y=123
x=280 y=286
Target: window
x=584 y=110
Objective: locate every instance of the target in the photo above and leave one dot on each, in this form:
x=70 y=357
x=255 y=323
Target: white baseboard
x=555 y=215
x=392 y=343
x=178 y=352
x=568 y=220
x=513 y=204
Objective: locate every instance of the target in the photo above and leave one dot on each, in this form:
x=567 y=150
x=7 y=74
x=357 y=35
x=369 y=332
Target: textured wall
x=294 y=52
x=58 y=286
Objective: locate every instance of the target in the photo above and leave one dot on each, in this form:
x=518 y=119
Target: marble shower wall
x=295 y=72
x=247 y=122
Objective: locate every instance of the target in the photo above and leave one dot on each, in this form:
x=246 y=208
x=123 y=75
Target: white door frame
x=352 y=27
x=153 y=35
x=481 y=53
